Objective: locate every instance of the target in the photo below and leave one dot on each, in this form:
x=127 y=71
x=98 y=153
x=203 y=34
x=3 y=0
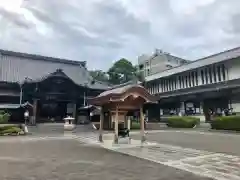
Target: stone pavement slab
x=201 y=162
x=207 y=141
x=69 y=160
x=209 y=164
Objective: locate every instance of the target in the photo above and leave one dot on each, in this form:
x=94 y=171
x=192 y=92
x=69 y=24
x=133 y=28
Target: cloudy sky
x=102 y=31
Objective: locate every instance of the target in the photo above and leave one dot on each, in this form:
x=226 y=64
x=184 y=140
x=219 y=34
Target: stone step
x=58 y=128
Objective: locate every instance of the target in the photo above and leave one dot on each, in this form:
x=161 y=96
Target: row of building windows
x=207 y=75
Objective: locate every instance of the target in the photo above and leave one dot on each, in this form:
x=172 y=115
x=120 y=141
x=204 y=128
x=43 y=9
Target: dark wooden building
x=55 y=87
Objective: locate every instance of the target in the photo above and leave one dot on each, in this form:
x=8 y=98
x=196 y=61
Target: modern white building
x=159 y=61
x=211 y=83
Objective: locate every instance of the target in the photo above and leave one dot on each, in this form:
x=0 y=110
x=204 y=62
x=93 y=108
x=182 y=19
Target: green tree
x=99 y=75
x=121 y=72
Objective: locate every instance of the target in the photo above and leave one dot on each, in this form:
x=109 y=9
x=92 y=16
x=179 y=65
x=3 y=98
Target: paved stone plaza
x=69 y=159
x=214 y=155
x=170 y=154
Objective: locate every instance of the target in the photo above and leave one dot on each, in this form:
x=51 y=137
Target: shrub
x=4 y=117
x=182 y=121
x=226 y=123
x=7 y=127
x=135 y=125
x=9 y=130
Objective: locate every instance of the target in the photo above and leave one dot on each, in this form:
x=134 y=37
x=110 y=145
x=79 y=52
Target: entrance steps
x=56 y=128
x=84 y=128
x=46 y=128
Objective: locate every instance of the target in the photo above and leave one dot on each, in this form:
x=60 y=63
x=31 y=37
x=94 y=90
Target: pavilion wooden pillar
x=125 y=121
x=100 y=138
x=75 y=111
x=116 y=127
x=34 y=117
x=143 y=138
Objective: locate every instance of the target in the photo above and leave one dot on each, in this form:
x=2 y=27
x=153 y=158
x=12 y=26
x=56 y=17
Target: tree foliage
x=122 y=71
x=99 y=75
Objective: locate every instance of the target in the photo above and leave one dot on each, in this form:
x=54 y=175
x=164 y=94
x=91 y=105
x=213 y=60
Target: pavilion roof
x=121 y=92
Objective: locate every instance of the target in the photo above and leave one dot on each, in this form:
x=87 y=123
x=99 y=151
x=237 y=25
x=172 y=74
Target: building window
x=206 y=75
x=210 y=75
x=189 y=80
x=193 y=78
x=175 y=83
x=169 y=85
x=183 y=82
x=219 y=73
x=214 y=74
x=196 y=77
x=162 y=87
x=186 y=80
x=180 y=82
x=148 y=72
x=202 y=76
x=165 y=85
x=223 y=72
x=192 y=108
x=167 y=88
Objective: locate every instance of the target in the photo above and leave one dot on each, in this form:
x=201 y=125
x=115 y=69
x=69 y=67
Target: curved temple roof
x=121 y=93
x=16 y=67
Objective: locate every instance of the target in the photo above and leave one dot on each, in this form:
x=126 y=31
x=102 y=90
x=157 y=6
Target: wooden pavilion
x=118 y=101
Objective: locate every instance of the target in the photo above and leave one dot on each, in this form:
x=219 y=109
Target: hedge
x=9 y=130
x=4 y=117
x=226 y=123
x=182 y=121
x=135 y=125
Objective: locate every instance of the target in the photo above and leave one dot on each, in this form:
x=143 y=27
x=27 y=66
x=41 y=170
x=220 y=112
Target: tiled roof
x=16 y=67
x=42 y=58
x=121 y=88
x=121 y=92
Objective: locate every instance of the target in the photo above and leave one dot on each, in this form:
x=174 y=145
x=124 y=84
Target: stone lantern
x=69 y=125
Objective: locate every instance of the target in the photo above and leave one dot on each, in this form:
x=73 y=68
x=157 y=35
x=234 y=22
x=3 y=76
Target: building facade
x=54 y=87
x=208 y=84
x=159 y=61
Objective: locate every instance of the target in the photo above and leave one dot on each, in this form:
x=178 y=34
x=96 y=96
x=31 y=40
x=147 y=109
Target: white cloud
x=11 y=5
x=101 y=31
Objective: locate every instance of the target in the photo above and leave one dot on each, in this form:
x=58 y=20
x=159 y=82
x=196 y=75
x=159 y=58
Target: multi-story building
x=207 y=84
x=159 y=61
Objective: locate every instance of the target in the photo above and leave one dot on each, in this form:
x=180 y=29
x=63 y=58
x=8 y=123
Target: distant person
x=180 y=113
x=26 y=116
x=145 y=121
